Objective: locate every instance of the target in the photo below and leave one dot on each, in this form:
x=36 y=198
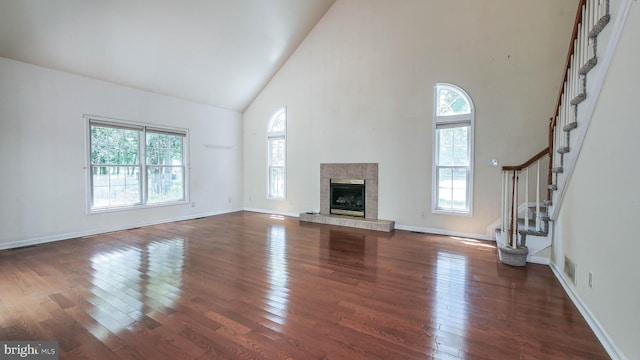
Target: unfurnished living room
x=319 y=179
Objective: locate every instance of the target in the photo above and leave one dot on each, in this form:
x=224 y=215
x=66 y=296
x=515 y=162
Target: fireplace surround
x=367 y=174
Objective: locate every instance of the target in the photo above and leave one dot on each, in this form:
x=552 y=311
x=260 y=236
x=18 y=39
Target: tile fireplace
x=349 y=197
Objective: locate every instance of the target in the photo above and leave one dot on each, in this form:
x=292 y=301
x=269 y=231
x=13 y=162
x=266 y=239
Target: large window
x=453 y=153
x=134 y=165
x=277 y=155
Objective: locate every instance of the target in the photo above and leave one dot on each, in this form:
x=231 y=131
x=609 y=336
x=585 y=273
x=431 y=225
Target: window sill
x=276 y=198
x=452 y=212
x=135 y=207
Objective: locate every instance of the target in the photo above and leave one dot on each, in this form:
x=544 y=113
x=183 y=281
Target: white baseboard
x=73 y=235
x=594 y=324
x=397 y=226
x=444 y=232
x=491 y=229
x=538 y=260
x=274 y=212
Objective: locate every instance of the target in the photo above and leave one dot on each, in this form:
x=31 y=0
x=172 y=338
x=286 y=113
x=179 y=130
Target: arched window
x=453 y=150
x=277 y=155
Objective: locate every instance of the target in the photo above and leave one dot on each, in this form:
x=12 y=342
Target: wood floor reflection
x=254 y=286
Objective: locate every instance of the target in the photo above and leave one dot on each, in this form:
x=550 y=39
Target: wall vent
x=570 y=269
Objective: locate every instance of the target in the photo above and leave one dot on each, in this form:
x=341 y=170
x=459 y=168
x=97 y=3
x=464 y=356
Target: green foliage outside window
x=116 y=168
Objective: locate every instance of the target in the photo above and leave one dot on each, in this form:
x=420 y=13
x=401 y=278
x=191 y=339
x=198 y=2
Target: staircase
x=524 y=229
x=564 y=140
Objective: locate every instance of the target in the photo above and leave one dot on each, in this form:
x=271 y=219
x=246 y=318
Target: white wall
x=597 y=224
x=360 y=89
x=43 y=154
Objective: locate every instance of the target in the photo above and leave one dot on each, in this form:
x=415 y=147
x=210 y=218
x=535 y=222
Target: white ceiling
x=217 y=52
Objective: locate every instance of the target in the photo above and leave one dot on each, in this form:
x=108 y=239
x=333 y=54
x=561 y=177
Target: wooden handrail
x=567 y=64
x=527 y=163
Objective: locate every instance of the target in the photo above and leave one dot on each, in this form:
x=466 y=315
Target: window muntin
x=135 y=165
x=278 y=122
x=453 y=155
x=277 y=155
x=451 y=101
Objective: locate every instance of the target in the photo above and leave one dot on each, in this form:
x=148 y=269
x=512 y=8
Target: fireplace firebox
x=347 y=197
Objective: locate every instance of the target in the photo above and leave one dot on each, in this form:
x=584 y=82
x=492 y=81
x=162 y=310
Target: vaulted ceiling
x=217 y=52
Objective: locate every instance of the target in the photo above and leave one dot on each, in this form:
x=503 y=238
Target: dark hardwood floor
x=255 y=286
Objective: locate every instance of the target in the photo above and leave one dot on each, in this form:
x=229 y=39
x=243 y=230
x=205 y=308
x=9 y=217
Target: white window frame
x=448 y=121
x=273 y=136
x=142 y=129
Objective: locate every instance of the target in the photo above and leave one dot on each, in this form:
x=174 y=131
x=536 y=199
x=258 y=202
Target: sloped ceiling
x=217 y=52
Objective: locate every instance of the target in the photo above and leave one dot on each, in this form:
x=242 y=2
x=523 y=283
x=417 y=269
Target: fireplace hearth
x=347 y=197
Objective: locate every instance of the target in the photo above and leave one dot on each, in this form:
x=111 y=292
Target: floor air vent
x=570 y=269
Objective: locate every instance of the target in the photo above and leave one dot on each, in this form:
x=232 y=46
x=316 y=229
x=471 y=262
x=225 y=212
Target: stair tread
x=533 y=232
x=533 y=207
x=599 y=26
x=588 y=66
x=557 y=169
x=531 y=227
x=543 y=211
x=578 y=99
x=570 y=126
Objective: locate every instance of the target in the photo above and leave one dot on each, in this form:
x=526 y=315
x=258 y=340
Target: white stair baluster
x=514 y=213
x=593 y=10
x=584 y=38
x=538 y=197
x=502 y=209
x=565 y=111
x=526 y=198
x=585 y=31
x=576 y=71
x=505 y=229
x=579 y=47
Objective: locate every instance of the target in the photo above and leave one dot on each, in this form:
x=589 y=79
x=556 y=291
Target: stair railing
x=591 y=17
x=512 y=191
